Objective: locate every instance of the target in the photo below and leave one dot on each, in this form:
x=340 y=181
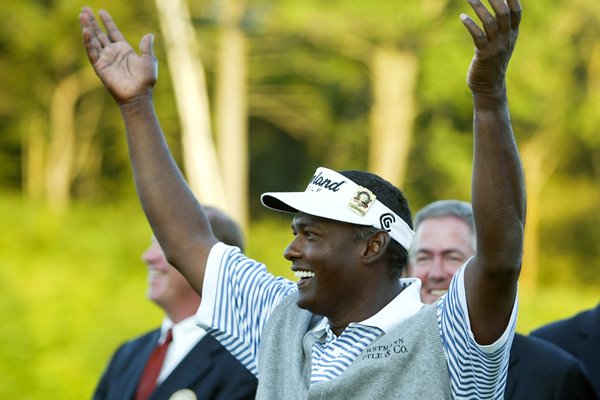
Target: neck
x=369 y=306
x=182 y=311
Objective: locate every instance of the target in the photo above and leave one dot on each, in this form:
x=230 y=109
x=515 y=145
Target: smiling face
x=167 y=287
x=441 y=246
x=325 y=257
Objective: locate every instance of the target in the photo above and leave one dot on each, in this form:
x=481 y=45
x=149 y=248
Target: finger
x=111 y=27
x=502 y=14
x=90 y=48
x=97 y=31
x=479 y=36
x=84 y=19
x=146 y=45
x=86 y=24
x=515 y=13
x=487 y=19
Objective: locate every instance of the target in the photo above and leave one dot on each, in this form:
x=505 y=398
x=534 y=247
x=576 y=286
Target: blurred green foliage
x=73 y=289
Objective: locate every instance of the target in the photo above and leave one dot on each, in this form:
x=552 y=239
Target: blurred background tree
x=289 y=86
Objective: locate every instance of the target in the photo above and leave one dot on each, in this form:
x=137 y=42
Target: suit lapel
x=193 y=367
x=588 y=349
x=132 y=374
x=512 y=380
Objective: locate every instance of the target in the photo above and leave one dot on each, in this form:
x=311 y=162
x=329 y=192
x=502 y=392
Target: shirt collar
x=403 y=306
x=186 y=328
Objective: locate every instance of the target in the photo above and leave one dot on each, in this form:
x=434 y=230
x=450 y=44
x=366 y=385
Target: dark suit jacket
x=580 y=336
x=208 y=369
x=540 y=370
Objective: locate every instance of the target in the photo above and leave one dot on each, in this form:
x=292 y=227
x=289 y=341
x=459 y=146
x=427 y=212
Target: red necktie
x=150 y=375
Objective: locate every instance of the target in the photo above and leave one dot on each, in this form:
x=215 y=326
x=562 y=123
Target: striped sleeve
x=476 y=371
x=238 y=295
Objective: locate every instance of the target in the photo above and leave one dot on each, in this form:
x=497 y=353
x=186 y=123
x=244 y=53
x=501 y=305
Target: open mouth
x=438 y=292
x=303 y=276
x=153 y=273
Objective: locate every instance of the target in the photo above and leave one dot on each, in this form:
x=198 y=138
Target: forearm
x=498 y=188
x=171 y=208
x=498 y=198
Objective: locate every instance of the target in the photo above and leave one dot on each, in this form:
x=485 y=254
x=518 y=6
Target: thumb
x=146 y=45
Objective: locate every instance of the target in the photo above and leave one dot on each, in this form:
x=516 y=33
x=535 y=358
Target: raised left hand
x=494 y=45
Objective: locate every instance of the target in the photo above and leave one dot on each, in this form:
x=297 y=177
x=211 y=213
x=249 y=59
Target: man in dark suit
x=539 y=370
x=444 y=241
x=579 y=336
x=196 y=365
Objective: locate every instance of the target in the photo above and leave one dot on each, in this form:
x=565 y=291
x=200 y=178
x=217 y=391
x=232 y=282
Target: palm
x=124 y=73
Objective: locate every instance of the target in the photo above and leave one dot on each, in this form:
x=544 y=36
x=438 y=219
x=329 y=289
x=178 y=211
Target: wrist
x=490 y=100
x=136 y=103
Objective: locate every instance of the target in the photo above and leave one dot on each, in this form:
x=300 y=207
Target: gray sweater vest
x=406 y=363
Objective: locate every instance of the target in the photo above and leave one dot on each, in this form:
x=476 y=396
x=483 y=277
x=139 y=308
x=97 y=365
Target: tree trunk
x=199 y=156
x=88 y=157
x=64 y=142
x=394 y=75
x=539 y=162
x=61 y=146
x=34 y=149
x=231 y=109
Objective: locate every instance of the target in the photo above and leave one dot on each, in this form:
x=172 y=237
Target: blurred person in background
x=195 y=365
x=580 y=336
x=444 y=241
x=336 y=333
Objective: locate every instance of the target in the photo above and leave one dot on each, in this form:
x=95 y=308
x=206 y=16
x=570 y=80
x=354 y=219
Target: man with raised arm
x=349 y=328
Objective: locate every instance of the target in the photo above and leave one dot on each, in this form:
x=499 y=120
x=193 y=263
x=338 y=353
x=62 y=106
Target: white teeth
x=438 y=292
x=304 y=274
x=153 y=273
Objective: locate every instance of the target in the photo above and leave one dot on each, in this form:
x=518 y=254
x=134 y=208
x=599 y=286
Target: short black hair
x=394 y=199
x=224 y=228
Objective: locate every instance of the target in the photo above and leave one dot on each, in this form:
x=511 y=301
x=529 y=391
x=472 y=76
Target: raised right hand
x=124 y=73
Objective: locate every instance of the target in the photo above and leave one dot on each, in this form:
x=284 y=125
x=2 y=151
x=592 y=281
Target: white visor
x=331 y=195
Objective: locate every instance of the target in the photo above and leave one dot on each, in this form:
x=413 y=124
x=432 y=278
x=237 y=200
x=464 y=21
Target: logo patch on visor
x=362 y=200
x=386 y=220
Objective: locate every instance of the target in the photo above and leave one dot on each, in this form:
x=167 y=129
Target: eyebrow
x=305 y=221
x=447 y=251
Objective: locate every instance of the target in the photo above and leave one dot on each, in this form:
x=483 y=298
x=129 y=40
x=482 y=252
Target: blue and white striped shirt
x=239 y=295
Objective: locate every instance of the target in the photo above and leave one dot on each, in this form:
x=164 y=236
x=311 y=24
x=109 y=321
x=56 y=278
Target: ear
x=376 y=248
